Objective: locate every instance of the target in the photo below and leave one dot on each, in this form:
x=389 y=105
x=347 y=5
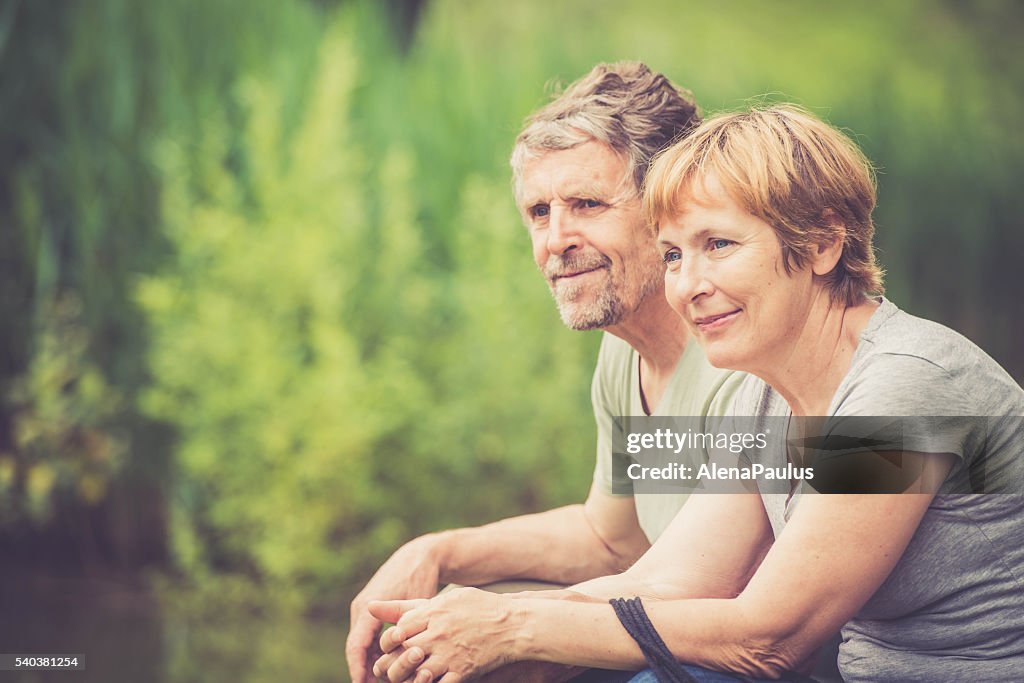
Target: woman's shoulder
x=894 y=331
x=906 y=365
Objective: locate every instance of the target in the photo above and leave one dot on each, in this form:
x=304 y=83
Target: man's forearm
x=558 y=545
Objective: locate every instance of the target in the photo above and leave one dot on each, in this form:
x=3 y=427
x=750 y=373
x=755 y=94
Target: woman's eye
x=671 y=256
x=590 y=203
x=720 y=244
x=539 y=211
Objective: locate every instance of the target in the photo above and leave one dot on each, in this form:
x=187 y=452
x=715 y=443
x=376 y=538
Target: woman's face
x=725 y=277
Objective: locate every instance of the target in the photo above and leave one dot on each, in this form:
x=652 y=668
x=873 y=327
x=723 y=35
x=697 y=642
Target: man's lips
x=567 y=276
x=708 y=323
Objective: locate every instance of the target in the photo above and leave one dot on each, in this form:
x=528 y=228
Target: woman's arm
x=834 y=554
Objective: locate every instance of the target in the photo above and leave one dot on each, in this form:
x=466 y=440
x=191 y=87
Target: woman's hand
x=465 y=632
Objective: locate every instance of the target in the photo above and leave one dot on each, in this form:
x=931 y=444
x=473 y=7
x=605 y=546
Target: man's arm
x=566 y=545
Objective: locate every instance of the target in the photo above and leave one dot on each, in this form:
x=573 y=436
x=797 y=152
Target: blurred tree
x=83 y=89
x=74 y=201
x=289 y=347
x=405 y=15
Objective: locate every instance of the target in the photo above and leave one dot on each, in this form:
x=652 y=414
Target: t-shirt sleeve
x=608 y=395
x=733 y=395
x=902 y=403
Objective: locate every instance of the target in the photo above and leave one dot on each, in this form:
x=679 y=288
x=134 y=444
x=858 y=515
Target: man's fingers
x=422 y=676
x=356 y=663
x=384 y=662
x=360 y=638
x=392 y=610
x=404 y=667
x=391 y=638
x=450 y=677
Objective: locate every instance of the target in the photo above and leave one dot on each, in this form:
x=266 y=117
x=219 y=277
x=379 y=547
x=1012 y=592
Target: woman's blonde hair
x=806 y=179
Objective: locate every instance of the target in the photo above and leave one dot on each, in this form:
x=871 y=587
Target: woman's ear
x=826 y=254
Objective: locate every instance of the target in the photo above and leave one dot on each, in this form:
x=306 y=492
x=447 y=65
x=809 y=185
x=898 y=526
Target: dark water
x=127 y=636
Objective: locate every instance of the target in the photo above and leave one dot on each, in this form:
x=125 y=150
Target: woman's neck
x=808 y=373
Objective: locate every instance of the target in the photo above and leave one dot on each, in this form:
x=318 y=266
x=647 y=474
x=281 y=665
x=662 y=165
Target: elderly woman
x=764 y=221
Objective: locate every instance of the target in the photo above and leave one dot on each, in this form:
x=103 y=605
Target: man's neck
x=659 y=336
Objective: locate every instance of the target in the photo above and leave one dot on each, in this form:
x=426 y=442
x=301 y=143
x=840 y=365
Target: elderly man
x=578 y=166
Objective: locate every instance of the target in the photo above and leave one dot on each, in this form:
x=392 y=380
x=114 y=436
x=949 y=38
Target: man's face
x=589 y=238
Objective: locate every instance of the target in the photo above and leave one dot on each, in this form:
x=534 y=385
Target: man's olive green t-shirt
x=696 y=390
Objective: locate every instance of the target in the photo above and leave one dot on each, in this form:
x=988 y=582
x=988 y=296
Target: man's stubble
x=616 y=296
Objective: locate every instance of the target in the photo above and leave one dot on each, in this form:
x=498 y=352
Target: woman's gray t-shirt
x=953 y=607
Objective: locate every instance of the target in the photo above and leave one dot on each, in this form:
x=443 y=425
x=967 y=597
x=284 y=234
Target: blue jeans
x=700 y=674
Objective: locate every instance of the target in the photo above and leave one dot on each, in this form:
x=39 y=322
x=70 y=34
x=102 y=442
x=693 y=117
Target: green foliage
x=333 y=388
x=84 y=89
x=64 y=442
x=252 y=358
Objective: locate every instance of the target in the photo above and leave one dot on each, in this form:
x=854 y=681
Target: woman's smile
x=707 y=324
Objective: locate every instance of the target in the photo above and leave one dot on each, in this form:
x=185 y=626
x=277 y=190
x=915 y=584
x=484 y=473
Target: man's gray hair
x=625 y=105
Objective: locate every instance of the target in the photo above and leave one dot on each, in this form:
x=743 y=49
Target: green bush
x=335 y=389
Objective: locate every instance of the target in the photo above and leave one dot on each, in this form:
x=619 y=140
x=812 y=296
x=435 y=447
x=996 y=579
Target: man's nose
x=563 y=231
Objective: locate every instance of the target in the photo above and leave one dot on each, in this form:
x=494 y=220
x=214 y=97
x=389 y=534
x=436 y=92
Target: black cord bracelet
x=667 y=668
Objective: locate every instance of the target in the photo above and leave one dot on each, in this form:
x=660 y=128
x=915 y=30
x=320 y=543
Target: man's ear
x=826 y=254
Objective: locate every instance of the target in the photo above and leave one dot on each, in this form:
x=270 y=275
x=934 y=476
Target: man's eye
x=539 y=211
x=589 y=203
x=671 y=256
x=720 y=244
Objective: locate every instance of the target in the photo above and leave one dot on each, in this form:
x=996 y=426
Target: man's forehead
x=592 y=151
x=569 y=188
x=586 y=170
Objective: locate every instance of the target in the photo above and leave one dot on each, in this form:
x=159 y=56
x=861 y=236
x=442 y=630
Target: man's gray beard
x=607 y=308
